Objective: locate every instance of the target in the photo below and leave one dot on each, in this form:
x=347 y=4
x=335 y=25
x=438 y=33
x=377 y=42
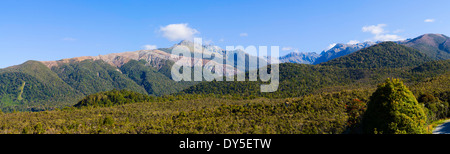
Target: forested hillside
x=382 y=55
x=154 y=82
x=295 y=80
x=32 y=86
x=94 y=76
x=299 y=79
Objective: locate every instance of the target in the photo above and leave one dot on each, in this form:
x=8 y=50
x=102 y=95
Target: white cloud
x=69 y=39
x=353 y=42
x=380 y=33
x=374 y=29
x=243 y=34
x=429 y=20
x=175 y=32
x=331 y=46
x=388 y=37
x=286 y=48
x=149 y=47
x=221 y=40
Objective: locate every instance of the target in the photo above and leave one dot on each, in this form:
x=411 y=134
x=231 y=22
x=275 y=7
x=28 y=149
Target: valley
x=133 y=92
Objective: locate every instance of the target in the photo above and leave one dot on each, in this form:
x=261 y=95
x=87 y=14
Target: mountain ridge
x=299 y=57
x=340 y=50
x=157 y=57
x=385 y=54
x=436 y=46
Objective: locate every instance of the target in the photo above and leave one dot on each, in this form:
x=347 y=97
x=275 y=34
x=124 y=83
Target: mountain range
x=340 y=50
x=336 y=51
x=363 y=68
x=36 y=86
x=39 y=85
x=435 y=46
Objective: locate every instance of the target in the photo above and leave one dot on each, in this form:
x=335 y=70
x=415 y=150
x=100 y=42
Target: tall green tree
x=393 y=109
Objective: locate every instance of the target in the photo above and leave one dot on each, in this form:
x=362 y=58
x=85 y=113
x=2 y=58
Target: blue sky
x=55 y=29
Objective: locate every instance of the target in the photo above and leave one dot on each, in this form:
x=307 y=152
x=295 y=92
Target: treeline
x=112 y=98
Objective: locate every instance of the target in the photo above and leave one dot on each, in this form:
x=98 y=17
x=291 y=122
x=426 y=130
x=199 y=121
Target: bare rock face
x=155 y=58
x=117 y=59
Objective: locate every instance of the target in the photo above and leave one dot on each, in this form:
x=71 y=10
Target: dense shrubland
x=325 y=113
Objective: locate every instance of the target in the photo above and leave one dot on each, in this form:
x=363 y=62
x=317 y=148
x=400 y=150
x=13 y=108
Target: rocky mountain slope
x=300 y=57
x=340 y=50
x=436 y=46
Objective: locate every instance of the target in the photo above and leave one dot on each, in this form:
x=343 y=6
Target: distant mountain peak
x=191 y=43
x=342 y=46
x=432 y=38
x=299 y=57
x=296 y=53
x=186 y=42
x=341 y=49
x=434 y=35
x=428 y=38
x=436 y=46
x=206 y=47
